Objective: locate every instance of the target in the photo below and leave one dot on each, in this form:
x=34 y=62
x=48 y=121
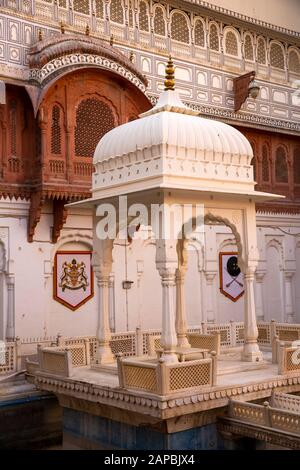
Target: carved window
x=93 y=119
x=159 y=22
x=179 y=28
x=231 y=44
x=261 y=51
x=281 y=167
x=13 y=128
x=56 y=131
x=294 y=62
x=297 y=165
x=99 y=8
x=265 y=164
x=214 y=38
x=116 y=11
x=276 y=56
x=249 y=55
x=199 y=34
x=143 y=17
x=82 y=6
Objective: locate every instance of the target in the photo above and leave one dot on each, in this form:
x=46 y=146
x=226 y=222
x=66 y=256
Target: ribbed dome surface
x=171 y=124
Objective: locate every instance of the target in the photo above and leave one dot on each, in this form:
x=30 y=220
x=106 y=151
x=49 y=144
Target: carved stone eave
x=161 y=407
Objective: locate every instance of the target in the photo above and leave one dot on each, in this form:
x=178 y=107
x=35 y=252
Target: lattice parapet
x=285 y=401
x=8 y=362
x=285 y=421
x=249 y=412
x=56 y=362
x=288 y=332
x=123 y=343
x=266 y=416
x=166 y=378
x=211 y=342
x=225 y=333
x=289 y=359
x=264 y=333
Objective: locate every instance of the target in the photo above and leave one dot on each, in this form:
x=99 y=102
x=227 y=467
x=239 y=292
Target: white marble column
x=251 y=351
x=102 y=263
x=181 y=322
x=209 y=296
x=259 y=300
x=166 y=263
x=112 y=313
x=10 y=325
x=289 y=307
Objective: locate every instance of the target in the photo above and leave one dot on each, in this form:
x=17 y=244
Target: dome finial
x=170 y=75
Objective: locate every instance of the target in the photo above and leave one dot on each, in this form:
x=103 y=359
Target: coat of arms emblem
x=73 y=278
x=231 y=277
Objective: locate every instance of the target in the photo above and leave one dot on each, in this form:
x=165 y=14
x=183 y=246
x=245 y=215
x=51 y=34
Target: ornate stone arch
x=261 y=50
x=277 y=55
x=199 y=31
x=183 y=31
x=217 y=220
x=159 y=19
x=275 y=243
x=77 y=237
x=249 y=47
x=228 y=242
x=294 y=60
x=214 y=36
x=53 y=58
x=231 y=42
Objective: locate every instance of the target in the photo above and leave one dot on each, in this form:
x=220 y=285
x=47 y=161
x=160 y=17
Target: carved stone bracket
x=36 y=203
x=60 y=213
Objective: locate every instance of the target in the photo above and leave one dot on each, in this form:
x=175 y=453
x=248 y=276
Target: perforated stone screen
x=82 y=6
x=294 y=62
x=55 y=131
x=281 y=168
x=199 y=34
x=179 y=28
x=143 y=17
x=13 y=127
x=261 y=51
x=159 y=22
x=249 y=54
x=231 y=44
x=276 y=56
x=116 y=11
x=93 y=119
x=265 y=164
x=213 y=38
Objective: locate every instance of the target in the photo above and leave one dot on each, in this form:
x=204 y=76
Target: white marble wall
x=27 y=308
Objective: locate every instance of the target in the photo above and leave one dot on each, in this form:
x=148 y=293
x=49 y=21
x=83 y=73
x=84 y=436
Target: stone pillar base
x=169 y=356
x=104 y=356
x=182 y=342
x=251 y=353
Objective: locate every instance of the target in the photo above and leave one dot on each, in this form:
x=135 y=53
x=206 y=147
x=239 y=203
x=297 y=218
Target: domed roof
x=180 y=130
x=172 y=146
